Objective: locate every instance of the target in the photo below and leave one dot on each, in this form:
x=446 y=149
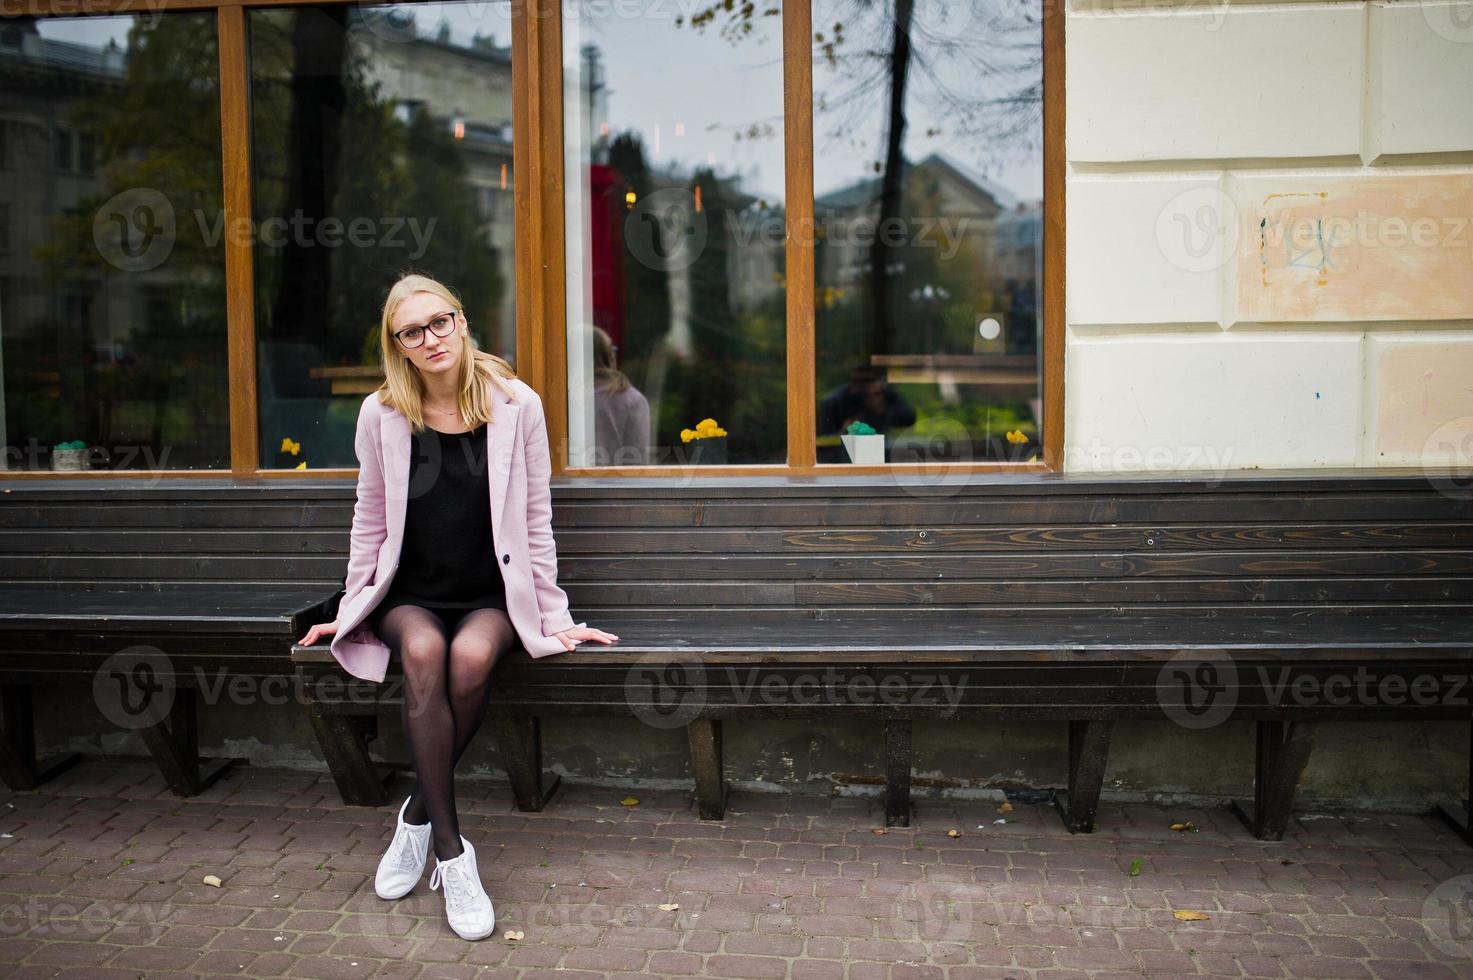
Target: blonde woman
x=451 y=562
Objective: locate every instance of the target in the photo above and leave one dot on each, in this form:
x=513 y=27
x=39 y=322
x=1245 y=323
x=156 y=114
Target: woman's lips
x=441 y=354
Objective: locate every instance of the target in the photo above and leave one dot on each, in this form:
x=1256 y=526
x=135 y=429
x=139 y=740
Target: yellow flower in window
x=287 y=446
x=1017 y=436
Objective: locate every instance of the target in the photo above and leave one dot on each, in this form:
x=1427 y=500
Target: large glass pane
x=112 y=297
x=381 y=143
x=928 y=177
x=673 y=146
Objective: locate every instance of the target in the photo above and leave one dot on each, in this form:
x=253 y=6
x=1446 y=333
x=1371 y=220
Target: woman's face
x=421 y=315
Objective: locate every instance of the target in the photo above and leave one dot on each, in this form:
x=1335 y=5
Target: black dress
x=448 y=558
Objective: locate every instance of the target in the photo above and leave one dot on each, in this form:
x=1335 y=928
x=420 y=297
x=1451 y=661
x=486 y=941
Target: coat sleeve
x=369 y=523
x=552 y=601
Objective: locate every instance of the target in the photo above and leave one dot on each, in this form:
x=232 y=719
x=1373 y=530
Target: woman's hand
x=572 y=637
x=318 y=632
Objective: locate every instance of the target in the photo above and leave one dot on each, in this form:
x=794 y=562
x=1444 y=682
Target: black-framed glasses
x=442 y=325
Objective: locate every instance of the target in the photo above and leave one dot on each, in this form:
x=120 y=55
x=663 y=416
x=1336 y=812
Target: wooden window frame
x=537 y=159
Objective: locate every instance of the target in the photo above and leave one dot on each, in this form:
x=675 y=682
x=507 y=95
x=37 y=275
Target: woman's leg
x=481 y=637
x=429 y=724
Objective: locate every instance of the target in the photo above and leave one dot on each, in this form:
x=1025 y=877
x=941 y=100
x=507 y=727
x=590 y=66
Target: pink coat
x=521 y=525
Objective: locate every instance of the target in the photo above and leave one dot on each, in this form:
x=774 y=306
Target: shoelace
x=403 y=850
x=458 y=889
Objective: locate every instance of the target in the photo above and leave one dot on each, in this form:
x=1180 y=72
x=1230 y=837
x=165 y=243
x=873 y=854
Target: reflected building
x=466 y=89
x=73 y=314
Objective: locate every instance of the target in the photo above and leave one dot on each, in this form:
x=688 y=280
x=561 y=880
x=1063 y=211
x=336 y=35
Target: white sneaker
x=400 y=868
x=467 y=905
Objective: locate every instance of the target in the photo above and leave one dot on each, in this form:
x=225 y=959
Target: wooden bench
x=1075 y=600
x=161 y=595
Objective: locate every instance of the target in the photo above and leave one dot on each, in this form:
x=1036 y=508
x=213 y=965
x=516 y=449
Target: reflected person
x=866 y=397
x=621 y=413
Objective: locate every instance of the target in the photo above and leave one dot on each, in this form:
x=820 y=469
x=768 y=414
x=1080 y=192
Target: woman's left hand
x=572 y=637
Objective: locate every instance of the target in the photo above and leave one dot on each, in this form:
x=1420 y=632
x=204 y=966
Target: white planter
x=865 y=449
x=69 y=459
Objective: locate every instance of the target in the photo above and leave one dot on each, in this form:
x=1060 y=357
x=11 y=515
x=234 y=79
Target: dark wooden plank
x=1307 y=590
x=1282 y=750
x=981 y=566
x=704 y=738
x=64 y=540
x=161 y=566
x=19 y=767
x=344 y=745
x=520 y=742
x=1089 y=750
x=898 y=765
x=934 y=539
x=1460 y=818
x=174 y=745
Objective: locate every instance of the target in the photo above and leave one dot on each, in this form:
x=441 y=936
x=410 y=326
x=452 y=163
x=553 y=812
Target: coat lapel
x=398 y=445
x=501 y=443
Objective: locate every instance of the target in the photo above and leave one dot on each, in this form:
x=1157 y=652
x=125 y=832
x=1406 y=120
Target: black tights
x=445 y=685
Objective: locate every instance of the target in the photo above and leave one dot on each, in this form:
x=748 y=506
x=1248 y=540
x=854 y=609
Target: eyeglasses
x=442 y=326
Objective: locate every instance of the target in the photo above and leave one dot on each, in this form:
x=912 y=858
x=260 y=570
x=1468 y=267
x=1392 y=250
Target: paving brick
x=796 y=888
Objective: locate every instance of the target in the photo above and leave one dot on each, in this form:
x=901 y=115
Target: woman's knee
x=423 y=654
x=471 y=661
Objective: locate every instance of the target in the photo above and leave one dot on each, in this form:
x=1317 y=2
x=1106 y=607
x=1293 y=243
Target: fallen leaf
x=212 y=881
x=953 y=833
x=668 y=907
x=629 y=801
x=1179 y=827
x=879 y=831
x=1186 y=915
x=1135 y=867
x=513 y=935
x=1005 y=807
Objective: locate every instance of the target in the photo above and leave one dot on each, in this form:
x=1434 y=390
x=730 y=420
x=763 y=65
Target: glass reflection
x=928 y=200
x=112 y=298
x=675 y=231
x=382 y=143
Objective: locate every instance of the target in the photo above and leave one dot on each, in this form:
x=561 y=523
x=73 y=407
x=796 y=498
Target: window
x=929 y=219
x=380 y=143
x=113 y=335
x=675 y=239
x=724 y=261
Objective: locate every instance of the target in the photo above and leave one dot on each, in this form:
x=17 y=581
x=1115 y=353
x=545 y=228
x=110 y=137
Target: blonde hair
x=403 y=389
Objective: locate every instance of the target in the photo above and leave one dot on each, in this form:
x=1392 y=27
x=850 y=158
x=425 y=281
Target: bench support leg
x=19 y=767
x=344 y=743
x=704 y=735
x=520 y=742
x=897 y=773
x=1089 y=749
x=174 y=745
x=1282 y=752
x=1461 y=820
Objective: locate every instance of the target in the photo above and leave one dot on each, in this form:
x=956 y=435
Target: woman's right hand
x=318 y=632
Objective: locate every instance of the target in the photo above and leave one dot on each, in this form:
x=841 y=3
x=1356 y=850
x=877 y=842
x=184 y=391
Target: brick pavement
x=101 y=876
